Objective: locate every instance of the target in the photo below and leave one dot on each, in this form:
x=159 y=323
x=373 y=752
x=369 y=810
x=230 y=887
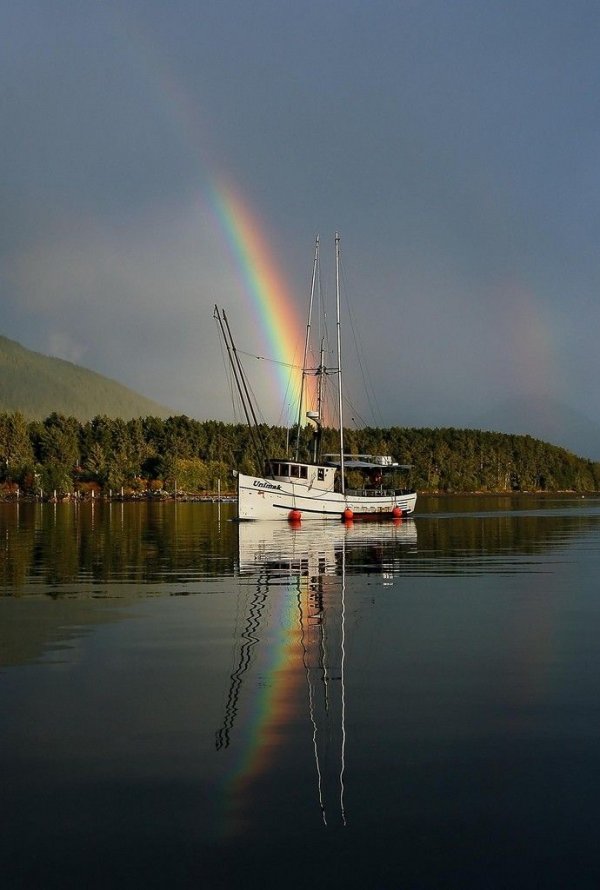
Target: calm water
x=189 y=703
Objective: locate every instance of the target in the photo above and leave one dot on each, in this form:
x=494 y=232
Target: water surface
x=189 y=702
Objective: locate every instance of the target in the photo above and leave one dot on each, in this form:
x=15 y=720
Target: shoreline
x=231 y=497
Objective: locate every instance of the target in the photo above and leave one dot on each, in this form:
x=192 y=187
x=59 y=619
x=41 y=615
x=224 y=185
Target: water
x=188 y=702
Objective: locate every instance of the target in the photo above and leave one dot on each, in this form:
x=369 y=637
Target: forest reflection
x=49 y=547
x=58 y=544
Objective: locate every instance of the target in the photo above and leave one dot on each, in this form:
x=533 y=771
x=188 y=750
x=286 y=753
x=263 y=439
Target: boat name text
x=258 y=484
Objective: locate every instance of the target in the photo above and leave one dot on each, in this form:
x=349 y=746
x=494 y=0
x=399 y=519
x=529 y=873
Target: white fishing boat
x=330 y=486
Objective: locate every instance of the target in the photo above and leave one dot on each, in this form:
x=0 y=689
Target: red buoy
x=347 y=515
x=294 y=515
x=397 y=512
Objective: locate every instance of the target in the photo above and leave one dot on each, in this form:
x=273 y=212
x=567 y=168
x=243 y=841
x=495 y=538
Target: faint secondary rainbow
x=270 y=297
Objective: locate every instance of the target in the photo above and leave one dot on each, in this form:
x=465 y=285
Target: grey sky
x=454 y=145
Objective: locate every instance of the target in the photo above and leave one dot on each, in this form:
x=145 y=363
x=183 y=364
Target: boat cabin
x=311 y=475
x=365 y=474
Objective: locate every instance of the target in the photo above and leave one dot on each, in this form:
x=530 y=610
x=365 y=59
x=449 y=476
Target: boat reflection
x=317 y=548
x=291 y=646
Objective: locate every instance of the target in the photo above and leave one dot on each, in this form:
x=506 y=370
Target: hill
x=38 y=385
x=547 y=419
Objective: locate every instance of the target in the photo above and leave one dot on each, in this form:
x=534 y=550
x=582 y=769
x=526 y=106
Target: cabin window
x=295 y=471
x=320 y=474
x=304 y=472
x=284 y=470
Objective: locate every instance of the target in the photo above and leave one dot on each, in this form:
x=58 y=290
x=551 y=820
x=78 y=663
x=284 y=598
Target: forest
x=60 y=456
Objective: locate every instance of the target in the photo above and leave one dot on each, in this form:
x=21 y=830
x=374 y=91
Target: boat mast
x=339 y=358
x=321 y=370
x=306 y=344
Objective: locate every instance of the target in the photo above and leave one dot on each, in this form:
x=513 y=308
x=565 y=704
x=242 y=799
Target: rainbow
x=270 y=298
x=269 y=295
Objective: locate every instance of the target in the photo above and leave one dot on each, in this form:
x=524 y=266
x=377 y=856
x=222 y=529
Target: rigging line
x=355 y=412
x=239 y=381
x=285 y=413
x=261 y=451
x=367 y=381
x=227 y=366
x=254 y=399
x=272 y=361
x=314 y=278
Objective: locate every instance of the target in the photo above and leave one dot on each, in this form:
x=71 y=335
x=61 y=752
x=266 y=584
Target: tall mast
x=306 y=344
x=339 y=357
x=318 y=420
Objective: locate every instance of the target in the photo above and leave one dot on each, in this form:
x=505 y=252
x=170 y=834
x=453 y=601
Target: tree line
x=62 y=454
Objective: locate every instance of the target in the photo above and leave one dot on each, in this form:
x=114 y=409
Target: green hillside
x=37 y=385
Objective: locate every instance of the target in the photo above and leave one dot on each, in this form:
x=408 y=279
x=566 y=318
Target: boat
x=340 y=485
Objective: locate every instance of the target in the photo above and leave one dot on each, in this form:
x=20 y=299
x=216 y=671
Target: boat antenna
x=306 y=343
x=339 y=358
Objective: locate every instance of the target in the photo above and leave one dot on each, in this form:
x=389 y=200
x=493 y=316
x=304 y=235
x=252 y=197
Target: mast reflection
x=299 y=575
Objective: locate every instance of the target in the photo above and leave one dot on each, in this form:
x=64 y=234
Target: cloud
x=135 y=301
x=452 y=145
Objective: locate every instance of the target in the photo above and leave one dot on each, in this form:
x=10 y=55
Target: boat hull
x=260 y=498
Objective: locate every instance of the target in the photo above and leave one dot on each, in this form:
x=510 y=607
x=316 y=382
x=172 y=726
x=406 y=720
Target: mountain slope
x=36 y=385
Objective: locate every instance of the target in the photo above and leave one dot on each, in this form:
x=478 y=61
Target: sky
x=159 y=158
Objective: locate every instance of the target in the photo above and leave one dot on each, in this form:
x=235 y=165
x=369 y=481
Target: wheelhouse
x=281 y=469
x=311 y=475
